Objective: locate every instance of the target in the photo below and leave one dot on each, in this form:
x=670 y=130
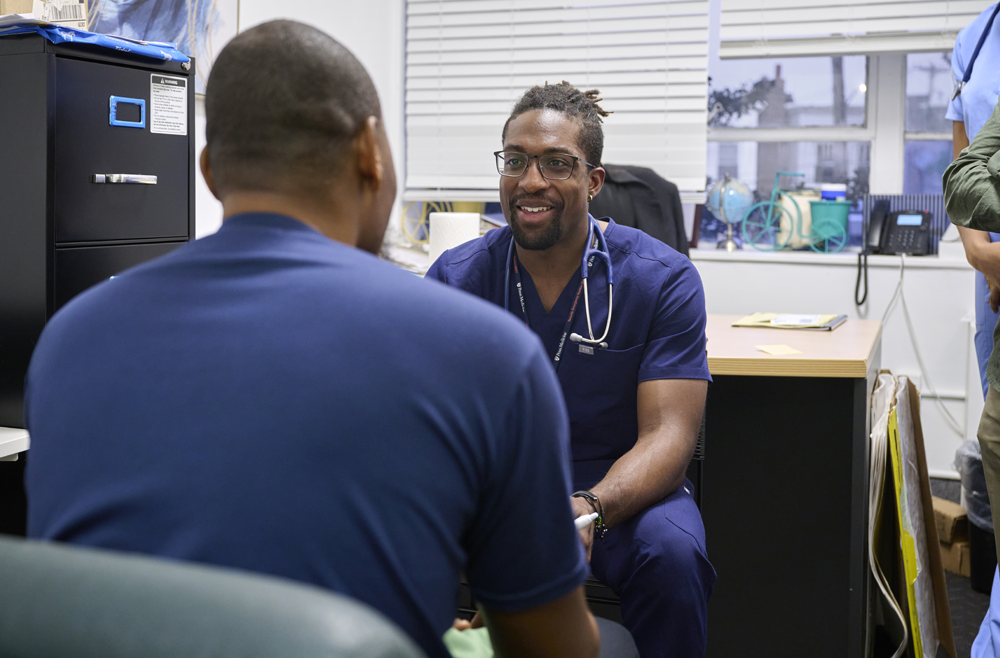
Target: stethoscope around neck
x=975 y=55
x=596 y=247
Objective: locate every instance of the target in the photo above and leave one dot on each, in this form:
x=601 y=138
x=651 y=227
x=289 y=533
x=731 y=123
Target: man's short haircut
x=581 y=105
x=282 y=105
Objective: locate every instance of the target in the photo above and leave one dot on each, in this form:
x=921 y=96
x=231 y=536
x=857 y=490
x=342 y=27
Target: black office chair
x=641 y=198
x=58 y=601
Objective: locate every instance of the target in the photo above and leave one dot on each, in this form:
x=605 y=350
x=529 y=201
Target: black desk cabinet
x=61 y=232
x=785 y=511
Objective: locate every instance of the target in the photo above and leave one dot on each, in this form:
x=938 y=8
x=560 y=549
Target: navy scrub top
x=657 y=332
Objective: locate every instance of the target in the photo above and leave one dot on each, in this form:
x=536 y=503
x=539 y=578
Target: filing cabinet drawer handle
x=134 y=179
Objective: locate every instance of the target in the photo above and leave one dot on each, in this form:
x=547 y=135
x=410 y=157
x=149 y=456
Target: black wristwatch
x=595 y=503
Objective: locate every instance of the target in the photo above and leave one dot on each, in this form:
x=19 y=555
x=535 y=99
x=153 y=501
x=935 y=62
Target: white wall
x=207 y=209
x=939 y=296
x=372 y=30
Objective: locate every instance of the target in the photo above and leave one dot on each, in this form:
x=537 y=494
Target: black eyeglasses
x=553 y=166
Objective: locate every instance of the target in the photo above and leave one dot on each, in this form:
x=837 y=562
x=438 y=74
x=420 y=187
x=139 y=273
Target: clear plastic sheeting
x=969 y=464
x=882 y=399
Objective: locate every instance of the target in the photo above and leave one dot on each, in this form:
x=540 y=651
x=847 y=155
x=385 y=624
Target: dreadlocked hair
x=565 y=98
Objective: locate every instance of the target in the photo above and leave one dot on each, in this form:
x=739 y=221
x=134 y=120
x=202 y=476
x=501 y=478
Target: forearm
x=975 y=244
x=669 y=414
x=959 y=139
x=564 y=628
x=653 y=469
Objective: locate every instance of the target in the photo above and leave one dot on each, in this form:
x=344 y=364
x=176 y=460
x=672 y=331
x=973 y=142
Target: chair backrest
x=58 y=601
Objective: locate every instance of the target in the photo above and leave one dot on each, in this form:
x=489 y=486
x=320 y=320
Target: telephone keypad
x=904 y=240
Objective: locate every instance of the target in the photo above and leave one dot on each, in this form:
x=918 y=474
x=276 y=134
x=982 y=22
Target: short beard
x=539 y=242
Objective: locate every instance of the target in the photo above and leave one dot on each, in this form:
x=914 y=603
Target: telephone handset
x=876 y=227
x=874 y=232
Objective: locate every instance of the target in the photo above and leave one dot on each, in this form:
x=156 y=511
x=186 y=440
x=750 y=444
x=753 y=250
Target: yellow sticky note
x=778 y=350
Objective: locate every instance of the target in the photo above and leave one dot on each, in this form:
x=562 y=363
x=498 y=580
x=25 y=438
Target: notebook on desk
x=791 y=321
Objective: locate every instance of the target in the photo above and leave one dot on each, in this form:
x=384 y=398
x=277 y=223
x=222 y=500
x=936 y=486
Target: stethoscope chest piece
x=596 y=248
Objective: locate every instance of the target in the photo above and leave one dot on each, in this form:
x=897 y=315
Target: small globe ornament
x=729 y=200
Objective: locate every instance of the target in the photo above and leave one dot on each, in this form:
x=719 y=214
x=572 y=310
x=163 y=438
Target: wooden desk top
x=844 y=352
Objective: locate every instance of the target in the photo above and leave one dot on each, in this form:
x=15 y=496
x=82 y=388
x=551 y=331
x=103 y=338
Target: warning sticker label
x=168 y=105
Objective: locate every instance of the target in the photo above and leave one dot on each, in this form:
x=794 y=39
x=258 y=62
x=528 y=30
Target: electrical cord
x=897 y=292
x=898 y=296
x=97 y=10
x=417 y=229
x=862 y=266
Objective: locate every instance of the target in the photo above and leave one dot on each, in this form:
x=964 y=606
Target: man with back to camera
x=635 y=395
x=272 y=398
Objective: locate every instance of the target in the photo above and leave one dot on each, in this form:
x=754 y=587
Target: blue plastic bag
x=157 y=50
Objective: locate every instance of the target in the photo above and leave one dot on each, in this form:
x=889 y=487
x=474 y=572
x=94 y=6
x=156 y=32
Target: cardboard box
x=65 y=13
x=955 y=558
x=951 y=522
x=15 y=7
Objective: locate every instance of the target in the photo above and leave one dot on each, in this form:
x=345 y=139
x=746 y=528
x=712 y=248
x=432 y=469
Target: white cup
x=450 y=229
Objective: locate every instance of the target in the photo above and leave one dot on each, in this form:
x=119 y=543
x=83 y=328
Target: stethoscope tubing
x=975 y=55
x=605 y=255
x=596 y=247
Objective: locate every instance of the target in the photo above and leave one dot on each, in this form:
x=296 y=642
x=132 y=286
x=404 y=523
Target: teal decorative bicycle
x=769 y=225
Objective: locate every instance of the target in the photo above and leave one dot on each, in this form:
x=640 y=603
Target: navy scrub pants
x=656 y=563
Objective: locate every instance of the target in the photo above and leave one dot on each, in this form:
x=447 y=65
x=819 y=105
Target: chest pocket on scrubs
x=600 y=392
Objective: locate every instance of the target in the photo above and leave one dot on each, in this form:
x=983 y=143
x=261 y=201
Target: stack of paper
x=792 y=321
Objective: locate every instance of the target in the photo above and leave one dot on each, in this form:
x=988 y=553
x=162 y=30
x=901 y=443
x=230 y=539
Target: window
x=925 y=162
x=756 y=163
x=727 y=157
x=929 y=85
x=765 y=116
x=787 y=92
x=928 y=151
x=892 y=103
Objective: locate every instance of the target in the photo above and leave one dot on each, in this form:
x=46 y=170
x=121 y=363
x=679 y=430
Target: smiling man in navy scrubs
x=636 y=403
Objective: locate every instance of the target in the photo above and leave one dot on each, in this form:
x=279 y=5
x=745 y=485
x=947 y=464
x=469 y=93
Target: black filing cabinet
x=84 y=132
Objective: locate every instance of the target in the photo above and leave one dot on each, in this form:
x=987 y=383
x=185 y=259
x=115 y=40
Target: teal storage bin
x=829 y=219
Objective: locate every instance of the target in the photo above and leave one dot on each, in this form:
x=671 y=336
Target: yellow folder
x=905 y=538
x=763 y=320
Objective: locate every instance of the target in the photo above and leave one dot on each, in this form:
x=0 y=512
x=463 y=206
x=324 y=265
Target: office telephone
x=898 y=232
x=891 y=232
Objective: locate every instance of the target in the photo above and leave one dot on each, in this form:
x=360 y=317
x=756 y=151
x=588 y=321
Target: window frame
x=884 y=127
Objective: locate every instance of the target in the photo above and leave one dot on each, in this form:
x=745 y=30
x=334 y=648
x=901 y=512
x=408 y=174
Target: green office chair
x=58 y=601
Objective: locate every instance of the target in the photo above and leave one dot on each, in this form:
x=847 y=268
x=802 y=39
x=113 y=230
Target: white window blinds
x=780 y=28
x=468 y=61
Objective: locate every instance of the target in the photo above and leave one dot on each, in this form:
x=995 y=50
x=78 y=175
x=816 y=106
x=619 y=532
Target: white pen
x=585 y=520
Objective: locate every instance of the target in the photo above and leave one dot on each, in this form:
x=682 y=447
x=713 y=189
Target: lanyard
x=572 y=310
x=975 y=54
